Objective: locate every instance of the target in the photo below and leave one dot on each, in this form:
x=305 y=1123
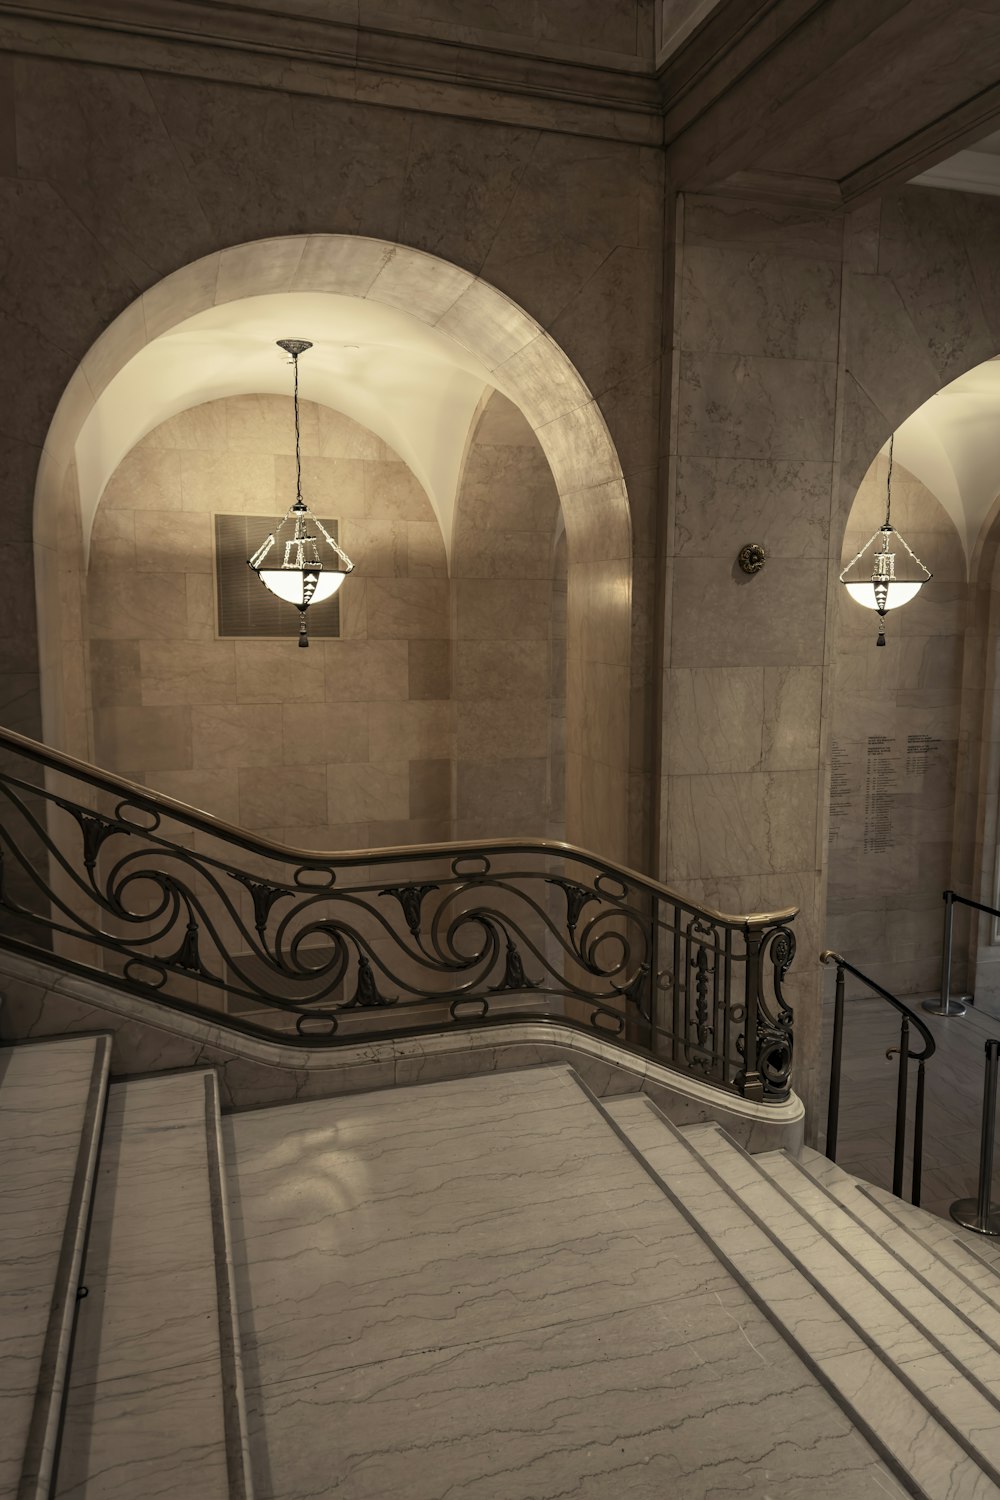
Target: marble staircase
x=487 y=1288
x=118 y=1338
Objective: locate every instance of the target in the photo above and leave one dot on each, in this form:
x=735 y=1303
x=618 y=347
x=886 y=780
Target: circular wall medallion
x=751 y=558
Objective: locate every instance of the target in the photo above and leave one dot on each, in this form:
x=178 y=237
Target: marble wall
x=509 y=628
x=120 y=178
x=756 y=331
x=895 y=747
x=354 y=724
x=373 y=735
x=801 y=340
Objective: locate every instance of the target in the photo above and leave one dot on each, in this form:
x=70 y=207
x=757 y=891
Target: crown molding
x=338 y=58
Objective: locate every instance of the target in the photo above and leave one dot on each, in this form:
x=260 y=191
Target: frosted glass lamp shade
x=302 y=586
x=896 y=593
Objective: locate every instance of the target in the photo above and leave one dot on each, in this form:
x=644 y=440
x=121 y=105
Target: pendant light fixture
x=298 y=573
x=884 y=590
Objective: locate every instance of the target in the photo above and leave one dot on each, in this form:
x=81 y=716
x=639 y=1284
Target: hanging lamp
x=301 y=576
x=884 y=590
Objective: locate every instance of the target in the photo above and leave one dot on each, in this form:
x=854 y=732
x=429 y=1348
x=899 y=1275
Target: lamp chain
x=298 y=449
x=888 y=478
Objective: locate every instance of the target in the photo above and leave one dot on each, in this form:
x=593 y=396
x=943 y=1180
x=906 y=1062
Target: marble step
x=914 y=1234
x=929 y=1245
x=475 y=1288
x=155 y=1401
x=51 y=1106
x=949 y=1312
x=935 y=1429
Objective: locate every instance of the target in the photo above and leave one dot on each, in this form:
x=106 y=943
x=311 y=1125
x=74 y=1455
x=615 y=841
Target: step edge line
x=41 y=1449
x=234 y=1404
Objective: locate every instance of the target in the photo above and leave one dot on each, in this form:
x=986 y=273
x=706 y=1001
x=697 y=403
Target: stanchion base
x=954 y=1006
x=965 y=1211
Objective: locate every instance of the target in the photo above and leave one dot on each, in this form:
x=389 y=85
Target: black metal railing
x=102 y=875
x=949 y=1004
x=906 y=1056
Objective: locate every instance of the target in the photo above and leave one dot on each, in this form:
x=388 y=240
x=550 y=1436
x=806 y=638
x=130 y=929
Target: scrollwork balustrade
x=99 y=874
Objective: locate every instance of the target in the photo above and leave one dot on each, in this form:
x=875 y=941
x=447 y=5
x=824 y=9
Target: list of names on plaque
x=880 y=784
x=841 y=792
x=918 y=748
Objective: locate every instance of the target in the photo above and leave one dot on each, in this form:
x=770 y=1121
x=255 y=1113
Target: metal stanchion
x=978 y=1213
x=948 y=1004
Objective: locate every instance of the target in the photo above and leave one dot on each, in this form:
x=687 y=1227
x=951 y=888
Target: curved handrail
x=906 y=1056
x=828 y=956
x=188 y=911
x=351 y=859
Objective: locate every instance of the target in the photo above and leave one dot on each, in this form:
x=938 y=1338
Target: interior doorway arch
x=522 y=361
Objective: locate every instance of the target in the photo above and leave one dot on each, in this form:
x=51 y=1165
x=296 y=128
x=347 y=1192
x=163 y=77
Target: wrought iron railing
x=103 y=875
x=906 y=1055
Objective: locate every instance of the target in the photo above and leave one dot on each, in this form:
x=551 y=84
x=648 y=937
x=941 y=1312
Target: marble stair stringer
x=155 y=1402
x=877 y=1365
x=52 y=1097
x=41 y=1000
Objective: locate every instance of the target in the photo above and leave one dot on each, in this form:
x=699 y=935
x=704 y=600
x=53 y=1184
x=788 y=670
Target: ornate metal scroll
x=174 y=905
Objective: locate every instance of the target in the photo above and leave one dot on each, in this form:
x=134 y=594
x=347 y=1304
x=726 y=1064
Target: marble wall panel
x=104 y=146
x=741 y=824
x=366 y=671
x=922 y=250
x=132 y=741
x=576 y=202
x=367 y=792
x=297 y=798
x=167 y=670
x=740 y=301
x=613 y=323
x=889 y=360
x=273 y=157
x=748 y=406
x=782 y=505
x=428 y=672
x=723 y=618
x=448 y=165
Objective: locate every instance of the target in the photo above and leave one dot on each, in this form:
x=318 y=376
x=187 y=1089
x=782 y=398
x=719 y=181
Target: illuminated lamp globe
x=301 y=586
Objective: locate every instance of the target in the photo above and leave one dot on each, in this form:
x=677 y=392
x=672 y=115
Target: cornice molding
x=337 y=59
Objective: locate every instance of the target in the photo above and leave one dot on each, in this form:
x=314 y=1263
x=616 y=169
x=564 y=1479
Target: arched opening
x=430 y=342
x=912 y=806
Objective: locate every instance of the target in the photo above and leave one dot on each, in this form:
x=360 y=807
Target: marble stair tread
x=474 y=1287
x=936 y=1254
x=971 y=1339
x=51 y=1106
x=154 y=1404
x=889 y=1378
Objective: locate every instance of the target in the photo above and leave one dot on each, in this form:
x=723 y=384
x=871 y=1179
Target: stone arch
x=524 y=363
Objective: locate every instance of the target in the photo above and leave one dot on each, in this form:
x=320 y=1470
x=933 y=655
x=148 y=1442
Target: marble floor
x=953 y=1103
x=475 y=1291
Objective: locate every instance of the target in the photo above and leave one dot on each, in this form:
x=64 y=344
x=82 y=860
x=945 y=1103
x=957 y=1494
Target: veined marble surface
x=49 y=1119
x=473 y=1289
x=933 y=1425
x=146 y=1407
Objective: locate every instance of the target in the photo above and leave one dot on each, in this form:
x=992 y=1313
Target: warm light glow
x=898 y=593
x=290 y=584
